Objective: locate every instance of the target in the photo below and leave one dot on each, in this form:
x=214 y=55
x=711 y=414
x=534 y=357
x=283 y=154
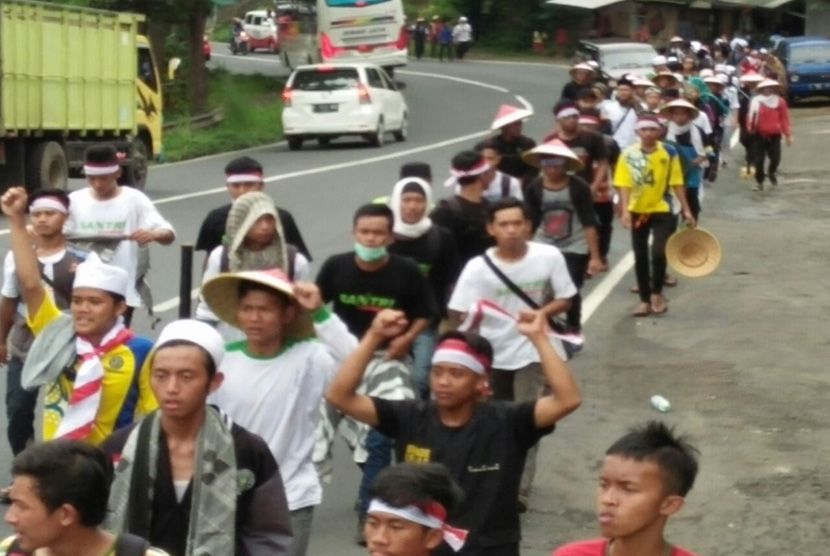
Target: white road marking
x=456 y=79
x=594 y=299
x=249 y=58
x=165 y=306
x=524 y=102
x=509 y=63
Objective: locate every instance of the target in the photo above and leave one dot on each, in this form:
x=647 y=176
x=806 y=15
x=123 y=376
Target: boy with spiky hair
x=644 y=480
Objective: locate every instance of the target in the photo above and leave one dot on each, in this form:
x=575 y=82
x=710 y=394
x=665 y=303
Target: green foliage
x=253 y=110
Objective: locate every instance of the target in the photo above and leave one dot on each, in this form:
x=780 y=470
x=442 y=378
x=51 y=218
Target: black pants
x=419 y=49
x=693 y=198
x=651 y=274
x=462 y=49
x=748 y=141
x=20 y=408
x=714 y=160
x=605 y=218
x=767 y=147
x=445 y=50
x=577 y=266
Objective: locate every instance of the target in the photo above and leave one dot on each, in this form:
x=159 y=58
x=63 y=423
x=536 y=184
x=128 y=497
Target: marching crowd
x=438 y=342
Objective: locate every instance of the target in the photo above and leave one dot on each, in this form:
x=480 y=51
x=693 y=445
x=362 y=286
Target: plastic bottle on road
x=660 y=403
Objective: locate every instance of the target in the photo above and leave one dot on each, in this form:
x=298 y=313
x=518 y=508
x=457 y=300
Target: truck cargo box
x=66 y=69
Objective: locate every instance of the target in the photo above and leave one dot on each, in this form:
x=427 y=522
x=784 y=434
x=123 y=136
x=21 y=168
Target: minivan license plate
x=323 y=108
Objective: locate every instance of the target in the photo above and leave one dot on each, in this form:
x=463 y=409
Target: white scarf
x=770 y=101
x=401 y=228
x=697 y=137
x=85 y=400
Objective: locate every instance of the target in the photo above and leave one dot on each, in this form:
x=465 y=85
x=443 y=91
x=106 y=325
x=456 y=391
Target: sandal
x=635 y=289
x=661 y=311
x=642 y=310
x=670 y=281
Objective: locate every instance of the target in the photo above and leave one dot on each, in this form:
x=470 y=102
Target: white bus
x=370 y=31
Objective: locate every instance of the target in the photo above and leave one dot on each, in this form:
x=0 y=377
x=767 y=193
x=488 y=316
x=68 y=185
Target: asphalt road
x=740 y=355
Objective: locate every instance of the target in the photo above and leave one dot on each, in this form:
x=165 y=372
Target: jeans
x=379 y=448
x=767 y=147
x=522 y=385
x=20 y=408
x=577 y=266
x=662 y=225
x=422 y=349
x=605 y=220
x=301 y=528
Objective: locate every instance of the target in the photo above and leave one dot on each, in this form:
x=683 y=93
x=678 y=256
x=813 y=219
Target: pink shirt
x=599 y=547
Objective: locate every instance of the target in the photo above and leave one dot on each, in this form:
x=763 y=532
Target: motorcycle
x=240 y=43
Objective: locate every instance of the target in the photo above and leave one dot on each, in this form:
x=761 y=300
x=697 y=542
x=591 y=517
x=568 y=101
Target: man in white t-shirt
x=462 y=36
x=276 y=377
x=500 y=185
x=106 y=209
x=484 y=298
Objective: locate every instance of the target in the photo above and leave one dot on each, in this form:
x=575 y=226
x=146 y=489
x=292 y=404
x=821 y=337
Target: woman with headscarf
x=433 y=250
x=254 y=241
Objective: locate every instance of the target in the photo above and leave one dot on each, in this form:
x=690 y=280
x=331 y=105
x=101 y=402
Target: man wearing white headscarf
x=91 y=363
x=433 y=249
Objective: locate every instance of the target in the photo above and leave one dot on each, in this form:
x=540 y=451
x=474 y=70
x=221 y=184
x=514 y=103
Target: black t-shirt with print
x=436 y=255
x=589 y=146
x=357 y=295
x=467 y=221
x=486 y=456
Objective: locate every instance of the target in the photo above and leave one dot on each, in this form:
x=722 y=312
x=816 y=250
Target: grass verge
x=253 y=110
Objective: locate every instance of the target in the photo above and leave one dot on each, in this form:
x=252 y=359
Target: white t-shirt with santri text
x=542 y=274
x=122 y=215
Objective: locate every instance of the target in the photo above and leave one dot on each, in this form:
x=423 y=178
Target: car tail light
x=327 y=49
x=403 y=40
x=363 y=94
x=287 y=96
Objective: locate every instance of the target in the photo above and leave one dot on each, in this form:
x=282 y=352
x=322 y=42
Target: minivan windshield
x=816 y=53
x=326 y=79
x=628 y=58
x=353 y=3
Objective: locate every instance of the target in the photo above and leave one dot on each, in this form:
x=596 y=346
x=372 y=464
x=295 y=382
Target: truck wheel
x=134 y=174
x=47 y=167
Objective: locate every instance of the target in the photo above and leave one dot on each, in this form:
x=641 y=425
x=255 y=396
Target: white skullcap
x=659 y=61
x=197 y=332
x=94 y=273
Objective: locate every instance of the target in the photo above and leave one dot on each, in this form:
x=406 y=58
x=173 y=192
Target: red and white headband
x=244 y=178
x=589 y=120
x=569 y=112
x=105 y=169
x=433 y=515
x=647 y=124
x=476 y=170
x=459 y=353
x=47 y=203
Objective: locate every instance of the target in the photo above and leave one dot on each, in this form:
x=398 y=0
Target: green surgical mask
x=369 y=254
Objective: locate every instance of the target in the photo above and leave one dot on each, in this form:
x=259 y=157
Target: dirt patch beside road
x=742 y=355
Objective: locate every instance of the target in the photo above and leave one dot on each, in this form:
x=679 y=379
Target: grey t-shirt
x=562 y=223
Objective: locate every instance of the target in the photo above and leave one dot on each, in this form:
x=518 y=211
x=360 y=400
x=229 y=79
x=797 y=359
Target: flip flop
x=670 y=282
x=662 y=311
x=635 y=289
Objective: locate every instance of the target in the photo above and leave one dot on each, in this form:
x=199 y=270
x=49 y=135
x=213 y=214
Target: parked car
x=807 y=60
x=262 y=30
x=325 y=101
x=616 y=57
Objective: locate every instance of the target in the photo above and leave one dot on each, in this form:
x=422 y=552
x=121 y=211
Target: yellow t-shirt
x=649 y=176
x=125 y=396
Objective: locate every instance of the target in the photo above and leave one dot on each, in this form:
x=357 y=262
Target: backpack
x=125 y=545
x=290 y=254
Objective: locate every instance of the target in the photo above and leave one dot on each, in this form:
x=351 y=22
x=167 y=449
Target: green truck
x=70 y=78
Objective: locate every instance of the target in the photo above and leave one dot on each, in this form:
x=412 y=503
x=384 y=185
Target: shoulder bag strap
x=620 y=123
x=510 y=284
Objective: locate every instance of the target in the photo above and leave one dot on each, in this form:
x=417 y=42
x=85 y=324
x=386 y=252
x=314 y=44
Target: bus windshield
x=353 y=3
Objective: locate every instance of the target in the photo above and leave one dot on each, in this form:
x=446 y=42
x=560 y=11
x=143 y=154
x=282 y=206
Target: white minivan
x=325 y=101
